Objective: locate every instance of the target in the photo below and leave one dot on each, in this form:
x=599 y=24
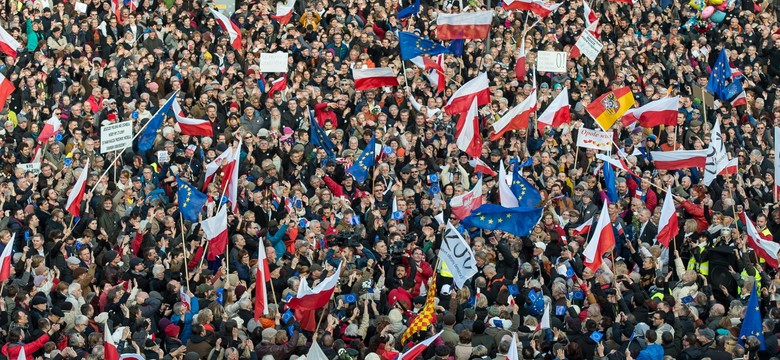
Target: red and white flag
x=520 y=63
x=732 y=167
x=652 y=114
x=283 y=14
x=418 y=349
x=538 y=7
x=590 y=16
x=190 y=126
x=619 y=164
x=462 y=205
x=461 y=100
x=110 y=351
x=766 y=249
x=116 y=9
x=317 y=297
x=73 y=206
x=584 y=228
x=512 y=353
x=263 y=275
x=717 y=158
x=505 y=195
x=602 y=241
x=741 y=99
x=517 y=118
x=433 y=69
x=468 y=138
x=373 y=78
x=668 y=226
x=279 y=85
x=213 y=167
x=8 y=45
x=575 y=52
x=557 y=113
x=185 y=298
x=480 y=167
x=6 y=258
x=736 y=72
x=471 y=25
x=232 y=187
x=6 y=89
x=680 y=159
x=232 y=29
x=216 y=230
x=50 y=128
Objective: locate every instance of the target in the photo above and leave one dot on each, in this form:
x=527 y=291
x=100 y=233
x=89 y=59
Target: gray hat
x=269 y=334
x=73 y=261
x=707 y=333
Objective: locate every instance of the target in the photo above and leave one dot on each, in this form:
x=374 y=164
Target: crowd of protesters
x=124 y=262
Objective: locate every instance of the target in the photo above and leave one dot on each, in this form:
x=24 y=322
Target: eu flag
x=733 y=90
x=609 y=179
x=751 y=325
x=318 y=137
x=191 y=201
x=720 y=73
x=413 y=46
x=527 y=194
x=456 y=47
x=146 y=140
x=366 y=160
x=517 y=221
x=410 y=10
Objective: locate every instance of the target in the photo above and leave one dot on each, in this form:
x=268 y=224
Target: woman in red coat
x=15 y=343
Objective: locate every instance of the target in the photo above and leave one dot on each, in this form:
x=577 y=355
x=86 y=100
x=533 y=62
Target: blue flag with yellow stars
x=517 y=221
x=146 y=139
x=318 y=137
x=720 y=73
x=410 y=10
x=527 y=194
x=359 y=169
x=752 y=325
x=191 y=200
x=413 y=46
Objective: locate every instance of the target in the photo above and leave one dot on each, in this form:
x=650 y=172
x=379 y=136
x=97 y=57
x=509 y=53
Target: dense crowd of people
x=128 y=264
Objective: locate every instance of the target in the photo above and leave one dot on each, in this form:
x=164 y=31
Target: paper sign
x=551 y=61
x=273 y=62
x=594 y=139
x=589 y=45
x=116 y=137
x=81 y=7
x=35 y=168
x=162 y=156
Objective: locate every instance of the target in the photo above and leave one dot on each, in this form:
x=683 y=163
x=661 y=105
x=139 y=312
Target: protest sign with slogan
x=589 y=45
x=551 y=61
x=35 y=168
x=273 y=62
x=456 y=253
x=594 y=139
x=116 y=137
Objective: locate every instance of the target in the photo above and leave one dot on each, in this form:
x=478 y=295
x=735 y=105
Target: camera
x=396 y=251
x=345 y=238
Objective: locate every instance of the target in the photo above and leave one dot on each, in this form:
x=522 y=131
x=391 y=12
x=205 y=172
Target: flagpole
x=184 y=246
x=205 y=251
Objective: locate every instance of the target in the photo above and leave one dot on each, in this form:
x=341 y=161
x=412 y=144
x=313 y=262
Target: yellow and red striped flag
x=426 y=317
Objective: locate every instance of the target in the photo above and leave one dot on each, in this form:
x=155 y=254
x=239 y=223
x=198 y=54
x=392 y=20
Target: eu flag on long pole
x=191 y=200
x=318 y=137
x=146 y=139
x=367 y=158
x=413 y=46
x=720 y=73
x=517 y=221
x=752 y=325
x=527 y=195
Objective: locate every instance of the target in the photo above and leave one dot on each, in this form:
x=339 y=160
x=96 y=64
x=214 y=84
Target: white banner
x=594 y=139
x=551 y=61
x=273 y=62
x=457 y=254
x=589 y=45
x=35 y=168
x=116 y=137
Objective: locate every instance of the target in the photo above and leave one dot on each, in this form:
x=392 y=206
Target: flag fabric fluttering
x=517 y=118
x=717 y=158
x=359 y=169
x=418 y=349
x=314 y=298
x=461 y=100
x=481 y=167
x=602 y=241
x=765 y=249
x=8 y=45
x=752 y=324
x=190 y=126
x=557 y=113
x=468 y=138
x=262 y=276
x=470 y=25
x=318 y=138
x=609 y=107
x=110 y=351
x=655 y=113
x=216 y=231
x=610 y=182
x=539 y=7
x=372 y=78
x=149 y=134
x=410 y=10
x=73 y=206
x=426 y=317
x=50 y=128
x=6 y=258
x=680 y=159
x=668 y=225
x=527 y=195
x=462 y=205
x=720 y=73
x=234 y=32
x=191 y=201
x=517 y=221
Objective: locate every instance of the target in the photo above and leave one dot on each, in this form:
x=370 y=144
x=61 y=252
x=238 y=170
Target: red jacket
x=12 y=352
x=697 y=211
x=420 y=276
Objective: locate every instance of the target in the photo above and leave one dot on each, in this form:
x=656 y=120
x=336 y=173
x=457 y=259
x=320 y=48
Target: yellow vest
x=702 y=267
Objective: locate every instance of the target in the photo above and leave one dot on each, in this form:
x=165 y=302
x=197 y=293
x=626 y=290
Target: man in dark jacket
x=269 y=347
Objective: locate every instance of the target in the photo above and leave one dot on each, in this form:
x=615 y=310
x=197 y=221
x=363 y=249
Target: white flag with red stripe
x=418 y=349
x=468 y=138
x=602 y=241
x=668 y=226
x=73 y=206
x=216 y=230
x=470 y=25
x=766 y=249
x=231 y=28
x=213 y=167
x=584 y=228
x=6 y=89
x=8 y=45
x=557 y=113
x=461 y=100
x=515 y=119
x=232 y=189
x=680 y=159
x=283 y=13
x=318 y=296
x=190 y=126
x=620 y=164
x=655 y=113
x=462 y=205
x=590 y=16
x=538 y=7
x=6 y=258
x=263 y=275
x=50 y=128
x=481 y=167
x=373 y=78
x=110 y=351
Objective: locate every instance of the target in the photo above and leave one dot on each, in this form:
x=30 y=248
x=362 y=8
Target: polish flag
x=6 y=258
x=668 y=225
x=619 y=164
x=736 y=72
x=602 y=241
x=652 y=114
x=741 y=99
x=590 y=16
x=232 y=29
x=732 y=167
x=262 y=276
x=515 y=119
x=110 y=351
x=766 y=249
x=418 y=349
x=557 y=113
x=216 y=230
x=185 y=298
x=575 y=52
x=232 y=186
x=373 y=78
x=480 y=167
x=680 y=159
x=477 y=88
x=133 y=5
x=50 y=128
x=279 y=85
x=283 y=14
x=538 y=7
x=584 y=228
x=317 y=297
x=520 y=63
x=73 y=206
x=472 y=25
x=505 y=194
x=6 y=89
x=190 y=126
x=434 y=70
x=545 y=323
x=8 y=45
x=213 y=167
x=116 y=9
x=468 y=138
x=462 y=205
